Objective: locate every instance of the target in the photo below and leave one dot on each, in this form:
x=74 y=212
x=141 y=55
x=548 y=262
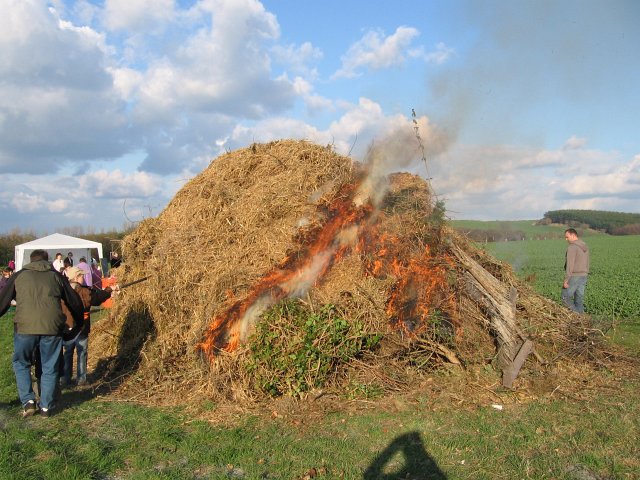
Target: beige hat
x=73 y=272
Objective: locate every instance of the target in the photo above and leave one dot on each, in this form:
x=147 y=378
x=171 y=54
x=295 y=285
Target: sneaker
x=29 y=408
x=45 y=412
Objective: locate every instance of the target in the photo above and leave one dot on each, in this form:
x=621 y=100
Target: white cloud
x=25 y=200
x=302 y=87
x=299 y=60
x=26 y=203
x=219 y=75
x=509 y=182
x=87 y=37
x=318 y=103
x=358 y=122
x=359 y=126
x=276 y=128
x=375 y=51
x=103 y=198
x=440 y=55
x=541 y=158
x=358 y=119
x=574 y=143
x=314 y=102
x=621 y=181
x=136 y=15
x=84 y=83
x=126 y=81
x=227 y=68
x=67 y=97
x=56 y=206
x=56 y=99
x=116 y=184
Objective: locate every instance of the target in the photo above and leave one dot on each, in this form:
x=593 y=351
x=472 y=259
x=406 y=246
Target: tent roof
x=57 y=240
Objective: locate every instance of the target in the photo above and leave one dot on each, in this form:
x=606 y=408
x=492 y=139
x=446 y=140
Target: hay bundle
x=252 y=215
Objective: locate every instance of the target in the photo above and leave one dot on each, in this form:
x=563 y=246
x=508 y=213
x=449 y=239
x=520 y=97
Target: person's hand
x=565 y=284
x=115 y=290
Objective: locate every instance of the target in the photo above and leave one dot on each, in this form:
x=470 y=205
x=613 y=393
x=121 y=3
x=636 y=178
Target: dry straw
x=239 y=218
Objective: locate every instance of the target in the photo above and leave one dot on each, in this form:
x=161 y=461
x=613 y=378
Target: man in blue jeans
x=38 y=323
x=576 y=270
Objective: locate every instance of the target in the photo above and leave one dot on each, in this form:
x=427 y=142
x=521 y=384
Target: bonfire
x=286 y=268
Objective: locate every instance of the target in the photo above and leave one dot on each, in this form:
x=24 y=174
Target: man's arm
x=100 y=296
x=570 y=262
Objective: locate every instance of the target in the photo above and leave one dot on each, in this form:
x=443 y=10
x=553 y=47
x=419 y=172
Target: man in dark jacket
x=38 y=323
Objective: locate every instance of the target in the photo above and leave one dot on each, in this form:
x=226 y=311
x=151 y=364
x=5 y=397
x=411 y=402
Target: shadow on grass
x=418 y=464
x=111 y=372
x=11 y=404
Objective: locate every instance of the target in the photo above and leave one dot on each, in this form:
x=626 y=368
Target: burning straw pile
x=284 y=267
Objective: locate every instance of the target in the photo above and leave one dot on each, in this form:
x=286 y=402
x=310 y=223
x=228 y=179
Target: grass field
x=613 y=288
x=564 y=435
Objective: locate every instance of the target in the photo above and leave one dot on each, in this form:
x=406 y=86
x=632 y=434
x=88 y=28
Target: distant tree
x=9 y=241
x=493 y=235
x=609 y=222
x=631 y=229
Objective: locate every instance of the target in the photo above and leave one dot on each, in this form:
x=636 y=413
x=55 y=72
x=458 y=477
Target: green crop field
x=613 y=288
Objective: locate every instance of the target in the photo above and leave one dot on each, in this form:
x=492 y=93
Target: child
x=6 y=273
x=77 y=338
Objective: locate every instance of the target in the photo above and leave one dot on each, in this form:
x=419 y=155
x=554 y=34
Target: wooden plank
x=510 y=373
x=499 y=302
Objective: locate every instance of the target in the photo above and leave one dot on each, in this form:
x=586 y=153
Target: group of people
x=52 y=321
x=92 y=276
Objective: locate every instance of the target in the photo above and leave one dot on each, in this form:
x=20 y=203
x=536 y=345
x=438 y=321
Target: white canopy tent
x=57 y=243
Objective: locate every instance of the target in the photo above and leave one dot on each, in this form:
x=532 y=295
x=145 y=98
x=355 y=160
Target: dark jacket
x=90 y=297
x=38 y=291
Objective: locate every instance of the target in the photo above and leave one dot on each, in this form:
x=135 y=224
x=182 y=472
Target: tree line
x=613 y=223
x=8 y=241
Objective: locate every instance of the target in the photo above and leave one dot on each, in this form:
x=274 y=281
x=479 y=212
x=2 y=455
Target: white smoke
x=402 y=147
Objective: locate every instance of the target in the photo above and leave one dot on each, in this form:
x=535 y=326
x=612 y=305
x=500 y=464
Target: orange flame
x=295 y=274
x=421 y=291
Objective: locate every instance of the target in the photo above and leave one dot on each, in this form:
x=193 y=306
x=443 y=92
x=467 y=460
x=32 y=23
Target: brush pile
x=285 y=267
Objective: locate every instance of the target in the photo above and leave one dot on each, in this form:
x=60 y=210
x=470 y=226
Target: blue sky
x=108 y=107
